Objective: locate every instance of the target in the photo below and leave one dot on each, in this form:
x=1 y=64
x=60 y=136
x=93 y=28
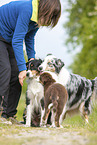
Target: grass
x=75 y=123
x=8 y=134
x=21 y=108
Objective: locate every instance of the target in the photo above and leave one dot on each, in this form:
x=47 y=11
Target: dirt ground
x=47 y=136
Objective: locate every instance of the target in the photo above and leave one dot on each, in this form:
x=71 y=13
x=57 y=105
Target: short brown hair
x=49 y=12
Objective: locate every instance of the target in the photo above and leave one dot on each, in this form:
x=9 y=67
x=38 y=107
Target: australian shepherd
x=55 y=98
x=80 y=89
x=35 y=92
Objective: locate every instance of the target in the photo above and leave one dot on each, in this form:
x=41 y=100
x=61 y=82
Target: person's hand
x=22 y=76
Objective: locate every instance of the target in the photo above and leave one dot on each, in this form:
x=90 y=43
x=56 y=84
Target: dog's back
x=56 y=93
x=55 y=99
x=58 y=97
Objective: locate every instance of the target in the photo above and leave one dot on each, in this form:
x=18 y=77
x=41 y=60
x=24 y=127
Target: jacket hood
x=34 y=16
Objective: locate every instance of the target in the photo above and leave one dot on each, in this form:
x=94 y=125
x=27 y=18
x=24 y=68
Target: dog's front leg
x=29 y=112
x=42 y=114
x=44 y=117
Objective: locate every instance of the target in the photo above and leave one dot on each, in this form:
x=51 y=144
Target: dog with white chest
x=55 y=98
x=79 y=88
x=35 y=92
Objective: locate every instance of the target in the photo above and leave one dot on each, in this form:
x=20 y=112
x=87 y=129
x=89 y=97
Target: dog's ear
x=59 y=62
x=58 y=65
x=40 y=61
x=29 y=63
x=42 y=79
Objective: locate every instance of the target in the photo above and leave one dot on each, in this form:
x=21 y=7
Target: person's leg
x=15 y=87
x=5 y=75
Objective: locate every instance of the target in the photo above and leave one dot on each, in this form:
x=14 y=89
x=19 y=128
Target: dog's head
x=32 y=67
x=51 y=63
x=46 y=77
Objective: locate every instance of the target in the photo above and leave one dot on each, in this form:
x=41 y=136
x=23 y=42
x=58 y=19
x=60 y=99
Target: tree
x=82 y=31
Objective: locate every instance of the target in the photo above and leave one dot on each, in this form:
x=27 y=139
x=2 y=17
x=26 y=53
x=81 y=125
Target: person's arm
x=17 y=41
x=29 y=42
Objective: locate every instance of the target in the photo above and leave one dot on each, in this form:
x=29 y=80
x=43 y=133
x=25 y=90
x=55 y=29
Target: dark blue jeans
x=10 y=88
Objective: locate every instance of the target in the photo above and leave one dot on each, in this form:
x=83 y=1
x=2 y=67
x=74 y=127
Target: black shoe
x=13 y=120
x=5 y=121
x=22 y=122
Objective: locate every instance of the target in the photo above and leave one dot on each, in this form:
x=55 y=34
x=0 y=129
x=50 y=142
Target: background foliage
x=81 y=28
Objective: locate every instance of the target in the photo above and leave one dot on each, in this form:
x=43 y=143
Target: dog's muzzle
x=29 y=74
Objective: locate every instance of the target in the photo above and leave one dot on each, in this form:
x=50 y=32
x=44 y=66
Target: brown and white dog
x=35 y=92
x=55 y=98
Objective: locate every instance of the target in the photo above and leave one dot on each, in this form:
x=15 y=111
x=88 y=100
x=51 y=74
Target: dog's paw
x=52 y=126
x=43 y=126
x=42 y=123
x=27 y=125
x=61 y=126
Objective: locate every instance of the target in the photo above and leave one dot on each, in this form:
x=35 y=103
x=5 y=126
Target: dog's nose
x=40 y=68
x=27 y=74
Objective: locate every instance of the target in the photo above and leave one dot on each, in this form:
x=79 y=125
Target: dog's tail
x=94 y=82
x=53 y=106
x=54 y=99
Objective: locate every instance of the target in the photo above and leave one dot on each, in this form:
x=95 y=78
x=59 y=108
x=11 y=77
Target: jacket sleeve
x=29 y=42
x=19 y=34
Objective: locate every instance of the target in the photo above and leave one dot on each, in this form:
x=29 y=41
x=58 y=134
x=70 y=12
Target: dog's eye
x=49 y=63
x=31 y=64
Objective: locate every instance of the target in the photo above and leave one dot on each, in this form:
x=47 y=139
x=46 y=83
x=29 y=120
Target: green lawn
x=74 y=122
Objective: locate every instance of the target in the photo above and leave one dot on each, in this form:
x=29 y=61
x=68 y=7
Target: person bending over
x=19 y=21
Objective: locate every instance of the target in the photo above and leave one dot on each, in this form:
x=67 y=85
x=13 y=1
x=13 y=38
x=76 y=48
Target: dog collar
x=34 y=16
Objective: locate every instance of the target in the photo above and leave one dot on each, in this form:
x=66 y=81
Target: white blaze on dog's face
x=47 y=64
x=51 y=63
x=31 y=74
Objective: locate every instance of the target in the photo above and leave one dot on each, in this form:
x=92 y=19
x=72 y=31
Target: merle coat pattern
x=79 y=88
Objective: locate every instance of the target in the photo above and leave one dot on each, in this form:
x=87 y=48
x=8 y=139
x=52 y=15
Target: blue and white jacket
x=18 y=22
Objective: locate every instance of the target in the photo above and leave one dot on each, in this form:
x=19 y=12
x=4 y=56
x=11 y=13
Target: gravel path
x=46 y=136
